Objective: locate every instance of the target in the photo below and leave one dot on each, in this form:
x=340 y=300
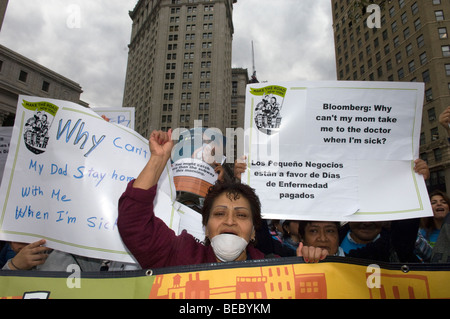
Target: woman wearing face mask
x=231 y=214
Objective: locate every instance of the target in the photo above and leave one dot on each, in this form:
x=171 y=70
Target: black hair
x=234 y=191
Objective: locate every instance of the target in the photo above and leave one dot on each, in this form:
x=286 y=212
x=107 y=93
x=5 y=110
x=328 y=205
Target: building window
x=414 y=8
x=426 y=76
x=422 y=142
x=442 y=33
x=429 y=95
x=409 y=49
x=391 y=12
x=404 y=17
x=401 y=74
x=394 y=27
x=417 y=24
x=437 y=154
x=389 y=65
x=420 y=41
x=434 y=134
x=396 y=41
x=432 y=114
x=45 y=86
x=398 y=57
x=23 y=76
x=411 y=66
x=439 y=14
x=445 y=50
x=406 y=33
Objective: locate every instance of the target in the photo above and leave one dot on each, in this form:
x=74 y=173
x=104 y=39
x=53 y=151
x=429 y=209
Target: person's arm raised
x=161 y=145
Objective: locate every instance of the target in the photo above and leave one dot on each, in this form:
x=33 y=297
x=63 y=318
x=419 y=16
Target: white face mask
x=228 y=247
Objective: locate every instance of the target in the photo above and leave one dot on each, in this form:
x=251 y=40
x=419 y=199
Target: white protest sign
x=335 y=150
x=5 y=138
x=193 y=159
x=123 y=115
x=66 y=170
x=191 y=221
x=363 y=115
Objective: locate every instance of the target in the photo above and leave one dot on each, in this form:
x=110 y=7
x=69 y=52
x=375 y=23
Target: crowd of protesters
x=235 y=230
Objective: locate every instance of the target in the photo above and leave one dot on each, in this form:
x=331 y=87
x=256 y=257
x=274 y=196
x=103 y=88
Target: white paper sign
x=123 y=115
x=335 y=150
x=66 y=170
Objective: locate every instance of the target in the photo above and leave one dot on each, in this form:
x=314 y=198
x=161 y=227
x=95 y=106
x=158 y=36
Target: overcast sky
x=86 y=40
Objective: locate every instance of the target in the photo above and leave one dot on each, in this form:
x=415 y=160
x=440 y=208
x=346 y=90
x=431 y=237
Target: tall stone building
x=179 y=64
x=238 y=89
x=3 y=6
x=20 y=75
x=411 y=44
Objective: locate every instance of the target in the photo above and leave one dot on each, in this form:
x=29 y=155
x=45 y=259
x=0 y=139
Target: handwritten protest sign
x=66 y=169
x=335 y=150
x=123 y=115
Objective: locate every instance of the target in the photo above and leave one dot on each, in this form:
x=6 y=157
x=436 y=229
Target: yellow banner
x=41 y=107
x=260 y=280
x=272 y=89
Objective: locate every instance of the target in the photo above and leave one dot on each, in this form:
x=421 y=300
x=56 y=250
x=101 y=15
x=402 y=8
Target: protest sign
x=5 y=138
x=335 y=150
x=194 y=157
x=123 y=115
x=65 y=172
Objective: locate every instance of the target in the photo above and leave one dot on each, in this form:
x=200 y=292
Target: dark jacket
x=395 y=244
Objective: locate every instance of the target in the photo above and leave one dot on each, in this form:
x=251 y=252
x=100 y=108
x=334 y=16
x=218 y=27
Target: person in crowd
x=365 y=240
x=381 y=241
x=369 y=240
x=6 y=253
x=441 y=250
x=431 y=226
x=275 y=230
x=231 y=213
x=27 y=256
x=264 y=240
x=321 y=234
x=290 y=236
x=359 y=234
x=36 y=256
